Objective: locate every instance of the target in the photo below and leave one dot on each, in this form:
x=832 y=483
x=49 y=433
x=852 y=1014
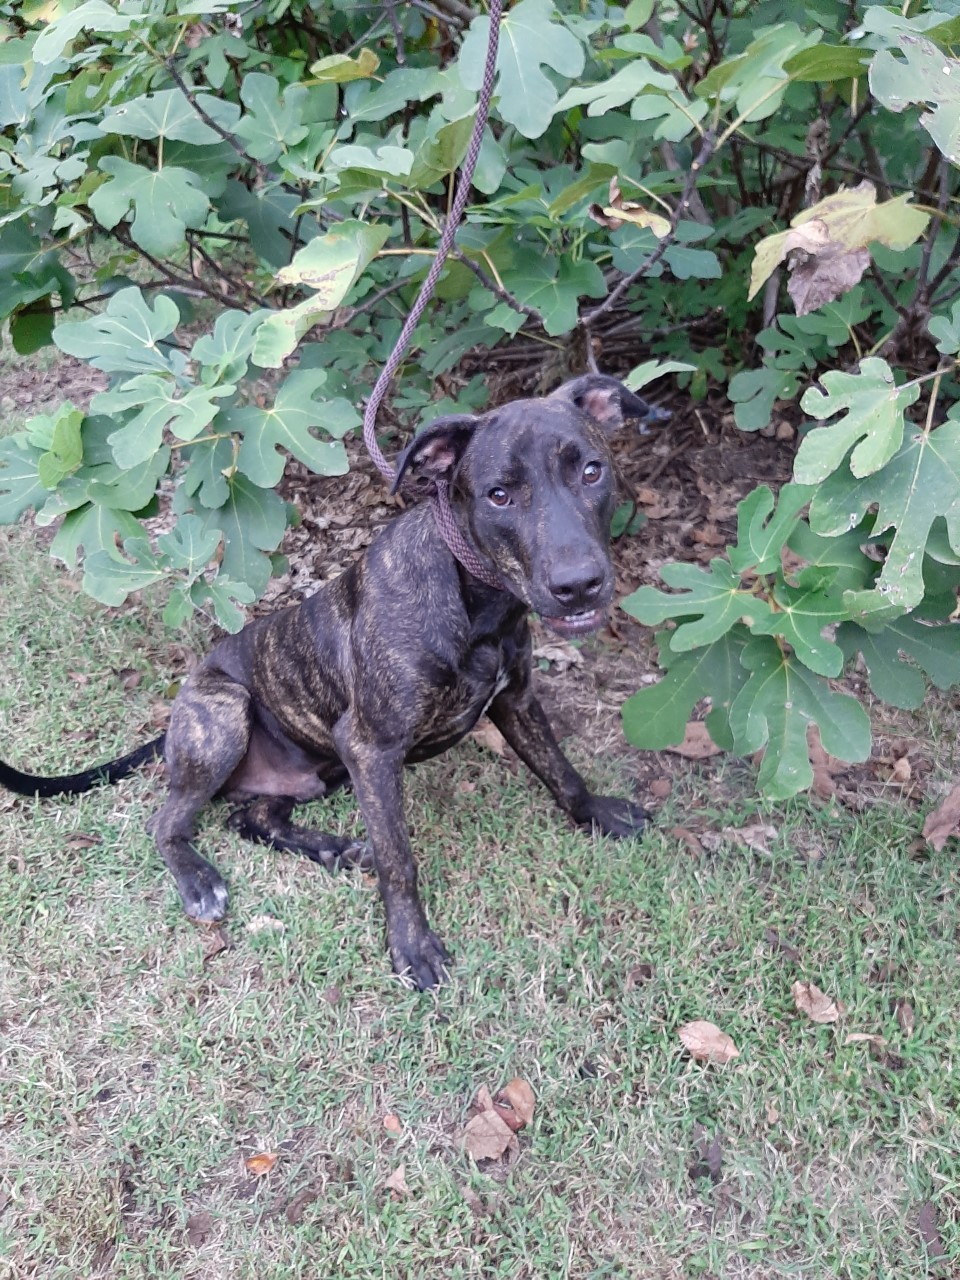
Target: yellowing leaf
x=840 y=224
x=260 y=1164
x=707 y=1043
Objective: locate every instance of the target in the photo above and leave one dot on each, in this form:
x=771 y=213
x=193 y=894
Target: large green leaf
x=870 y=407
x=94 y=528
x=622 y=87
x=761 y=532
x=110 y=578
x=290 y=424
x=529 y=40
x=94 y=15
x=753 y=83
x=224 y=354
x=934 y=649
x=927 y=75
x=168 y=114
x=20 y=483
x=714 y=597
x=775 y=708
x=252 y=521
x=553 y=288
x=271 y=123
x=154 y=405
x=656 y=717
x=800 y=615
x=920 y=483
x=165 y=202
x=126 y=337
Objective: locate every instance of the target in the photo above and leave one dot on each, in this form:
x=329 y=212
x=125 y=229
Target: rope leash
x=443 y=512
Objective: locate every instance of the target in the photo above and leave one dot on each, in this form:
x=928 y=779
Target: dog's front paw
x=418 y=954
x=615 y=817
x=202 y=891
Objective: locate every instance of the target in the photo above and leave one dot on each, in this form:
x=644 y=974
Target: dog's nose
x=576 y=586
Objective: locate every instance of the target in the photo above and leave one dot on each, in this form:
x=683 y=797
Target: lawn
x=145 y=1060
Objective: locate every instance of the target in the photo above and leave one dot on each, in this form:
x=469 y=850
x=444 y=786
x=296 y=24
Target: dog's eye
x=592 y=472
x=499 y=497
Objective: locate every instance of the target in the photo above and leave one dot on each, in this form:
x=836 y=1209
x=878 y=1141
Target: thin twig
x=496 y=289
x=612 y=298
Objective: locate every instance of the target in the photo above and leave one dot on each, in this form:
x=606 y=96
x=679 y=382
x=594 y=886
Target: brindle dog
x=398 y=658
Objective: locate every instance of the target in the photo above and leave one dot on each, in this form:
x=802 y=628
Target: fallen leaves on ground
x=83 y=840
x=757 y=836
x=301 y=1201
x=773 y=939
x=689 y=838
x=944 y=821
x=199 y=1229
x=560 y=653
x=262 y=1163
x=391 y=1122
x=906 y=1019
x=929 y=1227
x=488 y=736
x=265 y=924
x=824 y=765
x=708 y=1155
x=397 y=1182
x=818 y=1007
x=697 y=743
x=215 y=941
x=490 y=1132
x=707 y=1043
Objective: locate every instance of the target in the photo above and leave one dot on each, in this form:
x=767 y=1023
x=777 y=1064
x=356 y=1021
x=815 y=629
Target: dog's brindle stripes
x=398 y=658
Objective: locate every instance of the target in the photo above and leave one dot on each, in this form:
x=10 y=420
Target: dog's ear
x=608 y=401
x=434 y=452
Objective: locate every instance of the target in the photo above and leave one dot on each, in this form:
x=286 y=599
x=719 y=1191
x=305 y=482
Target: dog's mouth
x=576 y=624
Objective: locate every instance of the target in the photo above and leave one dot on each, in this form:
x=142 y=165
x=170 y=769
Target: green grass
x=137 y=1071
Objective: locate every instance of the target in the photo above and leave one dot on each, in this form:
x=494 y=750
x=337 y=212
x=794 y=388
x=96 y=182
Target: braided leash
x=443 y=513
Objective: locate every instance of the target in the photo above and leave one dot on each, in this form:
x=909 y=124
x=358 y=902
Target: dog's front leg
x=377 y=776
x=524 y=724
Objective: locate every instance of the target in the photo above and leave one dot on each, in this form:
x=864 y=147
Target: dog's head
x=533 y=486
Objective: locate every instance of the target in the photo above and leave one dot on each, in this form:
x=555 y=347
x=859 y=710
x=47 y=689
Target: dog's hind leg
x=267 y=821
x=208 y=737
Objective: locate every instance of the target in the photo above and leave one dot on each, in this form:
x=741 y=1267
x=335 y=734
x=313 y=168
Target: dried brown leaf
x=709 y=1155
x=864 y=1037
x=391 y=1123
x=265 y=924
x=906 y=1019
x=488 y=736
x=828 y=275
x=758 y=835
x=487 y=1136
x=707 y=1043
x=397 y=1182
x=260 y=1164
x=515 y=1103
x=199 y=1229
x=944 y=821
x=83 y=840
x=559 y=652
x=818 y=1007
x=660 y=788
x=928 y=1225
x=689 y=839
x=772 y=937
x=301 y=1201
x=697 y=743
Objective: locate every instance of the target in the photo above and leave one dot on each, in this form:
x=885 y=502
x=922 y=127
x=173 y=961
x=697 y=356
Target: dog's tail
x=72 y=784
